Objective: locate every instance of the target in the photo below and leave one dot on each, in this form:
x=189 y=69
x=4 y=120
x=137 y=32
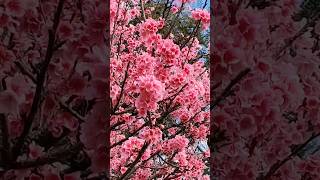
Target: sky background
x=200 y=3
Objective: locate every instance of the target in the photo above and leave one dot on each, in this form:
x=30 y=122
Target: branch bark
x=131 y=168
x=58 y=156
x=4 y=142
x=275 y=167
x=122 y=89
x=227 y=91
x=40 y=81
x=142 y=10
x=174 y=22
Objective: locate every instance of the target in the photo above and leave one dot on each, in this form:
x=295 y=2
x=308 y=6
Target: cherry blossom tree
x=159 y=90
x=265 y=88
x=53 y=84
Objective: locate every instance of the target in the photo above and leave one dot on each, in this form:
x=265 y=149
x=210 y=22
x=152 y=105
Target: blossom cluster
x=52 y=90
x=203 y=16
x=159 y=92
x=151 y=91
x=272 y=110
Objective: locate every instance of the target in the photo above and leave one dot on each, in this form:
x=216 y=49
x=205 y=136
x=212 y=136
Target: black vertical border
x=108 y=100
x=211 y=84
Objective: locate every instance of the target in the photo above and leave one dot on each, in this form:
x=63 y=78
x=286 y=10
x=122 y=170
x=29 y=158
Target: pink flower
x=174 y=9
x=151 y=91
x=152 y=135
x=35 y=151
x=203 y=16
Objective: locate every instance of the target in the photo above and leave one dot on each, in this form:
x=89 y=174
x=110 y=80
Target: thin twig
x=122 y=88
x=70 y=110
x=125 y=139
x=174 y=21
x=173 y=165
x=142 y=10
x=24 y=71
x=4 y=142
x=131 y=168
x=278 y=164
x=302 y=31
x=40 y=81
x=227 y=91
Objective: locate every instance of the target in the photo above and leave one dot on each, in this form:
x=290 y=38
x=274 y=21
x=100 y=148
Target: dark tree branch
x=116 y=125
x=174 y=95
x=125 y=139
x=131 y=168
x=228 y=90
x=70 y=110
x=169 y=163
x=194 y=31
x=275 y=167
x=4 y=142
x=193 y=34
x=165 y=8
x=24 y=71
x=174 y=22
x=290 y=41
x=122 y=89
x=58 y=156
x=142 y=10
x=40 y=81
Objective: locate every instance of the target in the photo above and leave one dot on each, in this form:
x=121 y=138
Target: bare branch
x=40 y=81
x=227 y=91
x=142 y=10
x=275 y=167
x=131 y=168
x=122 y=88
x=4 y=142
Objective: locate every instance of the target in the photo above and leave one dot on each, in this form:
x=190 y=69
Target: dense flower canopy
x=53 y=89
x=269 y=127
x=159 y=91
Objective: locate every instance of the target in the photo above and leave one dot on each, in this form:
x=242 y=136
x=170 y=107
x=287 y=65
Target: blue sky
x=200 y=3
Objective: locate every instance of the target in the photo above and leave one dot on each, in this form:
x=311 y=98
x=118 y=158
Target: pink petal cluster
x=132 y=144
x=157 y=91
x=178 y=80
x=150 y=27
x=186 y=1
x=203 y=16
x=169 y=51
x=151 y=91
x=174 y=9
x=152 y=135
x=176 y=144
x=181 y=158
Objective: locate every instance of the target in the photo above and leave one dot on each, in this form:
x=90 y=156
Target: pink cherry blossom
x=159 y=92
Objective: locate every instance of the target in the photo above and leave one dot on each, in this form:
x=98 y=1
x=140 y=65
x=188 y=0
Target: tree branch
x=122 y=88
x=131 y=169
x=227 y=91
x=58 y=156
x=40 y=81
x=132 y=134
x=142 y=10
x=289 y=42
x=70 y=110
x=174 y=21
x=4 y=142
x=24 y=71
x=278 y=164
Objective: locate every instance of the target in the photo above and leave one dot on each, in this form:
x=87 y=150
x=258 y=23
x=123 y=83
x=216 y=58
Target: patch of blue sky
x=200 y=4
